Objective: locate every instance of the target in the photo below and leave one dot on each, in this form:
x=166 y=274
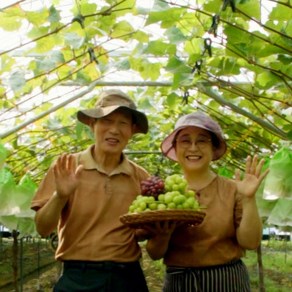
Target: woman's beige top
x=214 y=241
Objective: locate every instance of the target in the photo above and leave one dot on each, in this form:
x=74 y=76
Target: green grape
x=161 y=198
x=171 y=205
x=153 y=206
x=174 y=196
x=190 y=193
x=161 y=206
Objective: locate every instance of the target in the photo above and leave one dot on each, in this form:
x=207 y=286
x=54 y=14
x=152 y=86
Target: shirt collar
x=86 y=159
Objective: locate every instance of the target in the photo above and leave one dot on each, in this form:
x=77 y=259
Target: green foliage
x=3 y=155
x=11 y=18
x=278 y=183
x=281 y=213
x=15 y=211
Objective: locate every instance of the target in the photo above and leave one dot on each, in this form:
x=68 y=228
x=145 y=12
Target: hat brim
x=167 y=146
x=86 y=116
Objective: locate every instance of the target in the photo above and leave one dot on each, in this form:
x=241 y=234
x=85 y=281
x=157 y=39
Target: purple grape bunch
x=153 y=186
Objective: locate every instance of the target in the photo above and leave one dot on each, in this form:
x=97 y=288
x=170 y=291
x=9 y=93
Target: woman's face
x=194 y=149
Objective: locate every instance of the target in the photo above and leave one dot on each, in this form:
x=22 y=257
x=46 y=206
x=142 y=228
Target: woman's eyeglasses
x=187 y=142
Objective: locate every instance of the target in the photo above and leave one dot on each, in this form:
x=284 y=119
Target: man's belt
x=103 y=265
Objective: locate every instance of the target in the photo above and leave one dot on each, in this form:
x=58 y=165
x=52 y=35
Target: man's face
x=113 y=132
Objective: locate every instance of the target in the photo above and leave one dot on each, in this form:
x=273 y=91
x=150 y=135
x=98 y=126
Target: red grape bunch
x=153 y=186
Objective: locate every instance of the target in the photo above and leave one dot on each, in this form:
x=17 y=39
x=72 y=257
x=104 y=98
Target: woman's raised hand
x=252 y=178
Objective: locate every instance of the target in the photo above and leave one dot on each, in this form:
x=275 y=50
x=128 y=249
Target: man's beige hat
x=199 y=120
x=110 y=101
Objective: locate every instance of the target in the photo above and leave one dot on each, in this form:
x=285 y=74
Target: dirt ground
x=43 y=280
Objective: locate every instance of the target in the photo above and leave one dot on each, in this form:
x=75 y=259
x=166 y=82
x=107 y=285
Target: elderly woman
x=207 y=257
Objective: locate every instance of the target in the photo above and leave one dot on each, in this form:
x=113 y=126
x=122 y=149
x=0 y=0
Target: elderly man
x=84 y=194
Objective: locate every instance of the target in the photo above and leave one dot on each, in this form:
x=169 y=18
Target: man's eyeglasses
x=187 y=142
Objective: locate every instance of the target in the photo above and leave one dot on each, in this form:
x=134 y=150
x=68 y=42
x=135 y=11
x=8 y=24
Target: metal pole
x=21 y=266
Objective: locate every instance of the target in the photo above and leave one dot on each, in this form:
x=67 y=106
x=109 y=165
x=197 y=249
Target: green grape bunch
x=170 y=194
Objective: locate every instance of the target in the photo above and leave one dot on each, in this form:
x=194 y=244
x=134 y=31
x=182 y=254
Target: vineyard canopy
x=229 y=58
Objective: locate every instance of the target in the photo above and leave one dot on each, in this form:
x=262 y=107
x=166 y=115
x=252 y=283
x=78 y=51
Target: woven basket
x=194 y=217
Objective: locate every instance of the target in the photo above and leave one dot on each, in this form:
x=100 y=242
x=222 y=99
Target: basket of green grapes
x=164 y=200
